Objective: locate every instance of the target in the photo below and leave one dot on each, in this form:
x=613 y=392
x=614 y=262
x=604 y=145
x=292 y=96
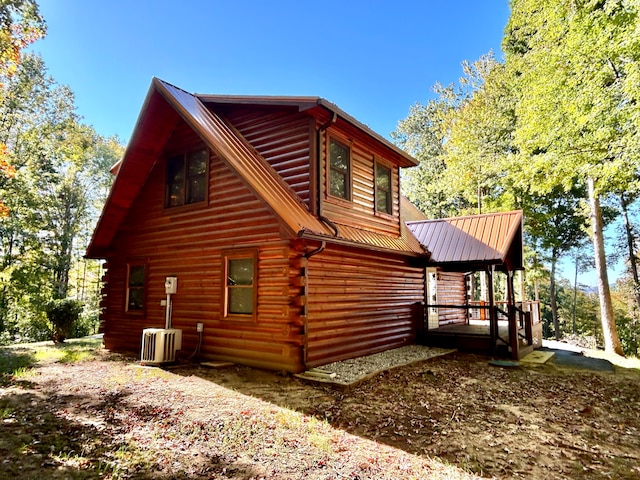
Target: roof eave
x=308 y=235
x=305 y=103
x=409 y=160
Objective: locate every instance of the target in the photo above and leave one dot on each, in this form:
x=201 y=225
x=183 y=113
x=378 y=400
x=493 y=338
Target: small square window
x=339 y=170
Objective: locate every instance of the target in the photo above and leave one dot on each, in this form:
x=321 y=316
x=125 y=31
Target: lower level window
x=135 y=287
x=240 y=284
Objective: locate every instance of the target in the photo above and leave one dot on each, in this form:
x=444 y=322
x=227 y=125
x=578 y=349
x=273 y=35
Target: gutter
x=309 y=235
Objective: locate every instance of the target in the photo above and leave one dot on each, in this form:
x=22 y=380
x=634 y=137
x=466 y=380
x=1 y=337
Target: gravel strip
x=353 y=371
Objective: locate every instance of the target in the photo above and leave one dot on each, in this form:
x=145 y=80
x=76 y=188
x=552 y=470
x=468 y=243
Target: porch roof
x=474 y=241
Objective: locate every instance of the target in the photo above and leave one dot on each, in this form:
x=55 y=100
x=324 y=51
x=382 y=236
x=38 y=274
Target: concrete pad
x=537 y=356
x=216 y=364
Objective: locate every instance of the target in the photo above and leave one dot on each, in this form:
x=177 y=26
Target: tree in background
x=423 y=134
x=556 y=225
x=554 y=130
x=456 y=137
x=61 y=179
x=577 y=70
x=20 y=25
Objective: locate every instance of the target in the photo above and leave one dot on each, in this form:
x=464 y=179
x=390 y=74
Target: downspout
x=308 y=255
x=305 y=343
x=318 y=250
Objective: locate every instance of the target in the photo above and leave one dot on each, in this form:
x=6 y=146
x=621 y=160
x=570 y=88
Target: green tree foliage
x=61 y=179
x=627 y=314
x=577 y=71
x=423 y=134
x=553 y=130
x=63 y=314
x=20 y=25
x=458 y=146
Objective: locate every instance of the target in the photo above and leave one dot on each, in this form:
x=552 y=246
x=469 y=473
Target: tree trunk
x=552 y=296
x=631 y=240
x=609 y=331
x=574 y=327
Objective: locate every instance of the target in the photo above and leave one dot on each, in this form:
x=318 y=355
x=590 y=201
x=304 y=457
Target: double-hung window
x=383 y=193
x=339 y=170
x=240 y=284
x=187 y=178
x=135 y=295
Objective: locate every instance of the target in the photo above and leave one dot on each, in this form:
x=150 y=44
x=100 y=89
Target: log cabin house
x=270 y=231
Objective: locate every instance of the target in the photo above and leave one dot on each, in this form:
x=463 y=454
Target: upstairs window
x=136 y=279
x=187 y=178
x=339 y=170
x=240 y=282
x=383 y=194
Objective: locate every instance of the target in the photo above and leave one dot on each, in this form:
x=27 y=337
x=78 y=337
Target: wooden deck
x=474 y=337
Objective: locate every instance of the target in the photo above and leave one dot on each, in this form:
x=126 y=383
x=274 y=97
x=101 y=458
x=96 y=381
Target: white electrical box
x=171 y=285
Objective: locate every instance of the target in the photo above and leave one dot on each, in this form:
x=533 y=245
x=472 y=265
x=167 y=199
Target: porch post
x=513 y=321
x=493 y=318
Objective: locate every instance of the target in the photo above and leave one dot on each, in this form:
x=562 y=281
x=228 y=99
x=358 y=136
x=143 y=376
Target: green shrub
x=63 y=315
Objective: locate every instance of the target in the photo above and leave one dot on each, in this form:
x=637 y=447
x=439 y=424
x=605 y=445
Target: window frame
x=378 y=164
x=346 y=175
x=184 y=158
x=128 y=287
x=239 y=254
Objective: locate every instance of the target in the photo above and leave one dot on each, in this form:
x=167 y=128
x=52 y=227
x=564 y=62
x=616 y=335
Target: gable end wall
x=188 y=242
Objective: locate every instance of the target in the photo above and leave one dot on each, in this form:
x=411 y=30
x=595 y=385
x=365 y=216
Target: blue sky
x=374 y=59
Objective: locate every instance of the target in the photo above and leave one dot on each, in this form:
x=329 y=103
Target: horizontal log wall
x=283 y=138
x=451 y=290
x=188 y=242
x=360 y=210
x=359 y=303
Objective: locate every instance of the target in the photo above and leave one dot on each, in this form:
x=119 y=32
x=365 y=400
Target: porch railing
x=521 y=319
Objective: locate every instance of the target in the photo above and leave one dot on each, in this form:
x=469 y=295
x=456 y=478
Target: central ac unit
x=159 y=345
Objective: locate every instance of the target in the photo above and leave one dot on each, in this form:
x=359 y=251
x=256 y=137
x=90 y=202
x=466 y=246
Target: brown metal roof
x=162 y=107
x=243 y=159
x=406 y=243
x=489 y=239
x=156 y=120
x=306 y=103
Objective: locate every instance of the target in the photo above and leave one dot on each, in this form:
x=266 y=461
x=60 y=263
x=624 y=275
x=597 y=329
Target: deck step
x=537 y=356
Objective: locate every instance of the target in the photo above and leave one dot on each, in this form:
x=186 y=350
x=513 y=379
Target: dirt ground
x=453 y=416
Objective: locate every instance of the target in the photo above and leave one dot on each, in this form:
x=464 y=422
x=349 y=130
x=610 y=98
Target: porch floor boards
x=474 y=336
x=476 y=328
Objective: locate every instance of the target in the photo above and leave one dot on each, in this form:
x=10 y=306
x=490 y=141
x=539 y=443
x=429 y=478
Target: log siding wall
x=360 y=210
x=360 y=304
x=188 y=242
x=341 y=303
x=451 y=291
x=283 y=138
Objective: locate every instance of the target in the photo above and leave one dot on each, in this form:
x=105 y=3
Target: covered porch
x=473 y=300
